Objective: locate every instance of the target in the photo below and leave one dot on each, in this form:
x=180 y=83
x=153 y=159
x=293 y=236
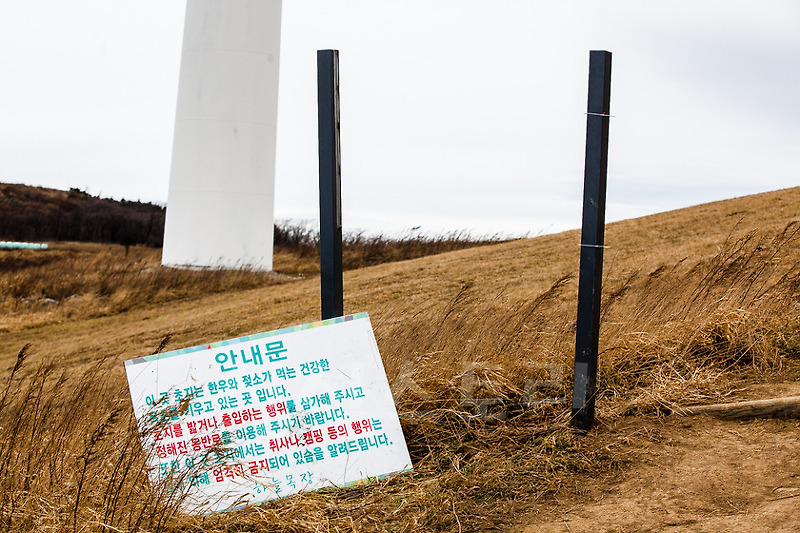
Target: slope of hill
x=40 y=214
x=699 y=305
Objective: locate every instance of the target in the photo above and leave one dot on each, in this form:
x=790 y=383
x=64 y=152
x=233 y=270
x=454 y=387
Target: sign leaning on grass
x=246 y=420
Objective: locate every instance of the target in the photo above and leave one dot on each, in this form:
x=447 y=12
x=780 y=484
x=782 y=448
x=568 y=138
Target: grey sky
x=455 y=114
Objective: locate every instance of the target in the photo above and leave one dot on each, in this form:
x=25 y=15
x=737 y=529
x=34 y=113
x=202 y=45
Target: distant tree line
x=39 y=214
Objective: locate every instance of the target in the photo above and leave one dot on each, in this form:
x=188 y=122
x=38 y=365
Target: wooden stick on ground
x=774 y=407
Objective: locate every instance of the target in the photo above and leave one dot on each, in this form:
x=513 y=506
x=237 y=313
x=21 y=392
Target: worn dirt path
x=685 y=475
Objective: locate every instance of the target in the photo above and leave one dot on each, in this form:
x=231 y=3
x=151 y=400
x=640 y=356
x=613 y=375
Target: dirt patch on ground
x=682 y=475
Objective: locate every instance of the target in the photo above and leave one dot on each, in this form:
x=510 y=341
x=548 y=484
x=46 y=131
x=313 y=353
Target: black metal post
x=592 y=240
x=330 y=184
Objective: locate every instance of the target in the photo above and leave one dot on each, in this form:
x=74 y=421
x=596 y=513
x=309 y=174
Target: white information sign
x=247 y=420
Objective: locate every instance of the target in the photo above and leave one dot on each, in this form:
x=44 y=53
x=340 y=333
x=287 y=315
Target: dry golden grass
x=694 y=300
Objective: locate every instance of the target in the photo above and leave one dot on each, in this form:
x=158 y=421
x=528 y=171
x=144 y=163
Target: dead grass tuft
x=70 y=456
x=679 y=330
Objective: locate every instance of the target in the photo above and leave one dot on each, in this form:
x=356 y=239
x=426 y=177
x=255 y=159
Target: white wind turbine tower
x=220 y=209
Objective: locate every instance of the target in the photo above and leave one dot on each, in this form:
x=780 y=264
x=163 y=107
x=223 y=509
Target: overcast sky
x=455 y=114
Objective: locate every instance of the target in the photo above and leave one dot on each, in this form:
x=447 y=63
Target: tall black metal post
x=330 y=184
x=592 y=240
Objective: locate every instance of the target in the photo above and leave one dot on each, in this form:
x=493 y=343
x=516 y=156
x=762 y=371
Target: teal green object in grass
x=23 y=245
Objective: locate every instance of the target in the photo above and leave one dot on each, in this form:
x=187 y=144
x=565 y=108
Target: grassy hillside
x=695 y=301
x=41 y=214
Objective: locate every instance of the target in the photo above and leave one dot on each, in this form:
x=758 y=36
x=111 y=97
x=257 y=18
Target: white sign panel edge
x=322 y=414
